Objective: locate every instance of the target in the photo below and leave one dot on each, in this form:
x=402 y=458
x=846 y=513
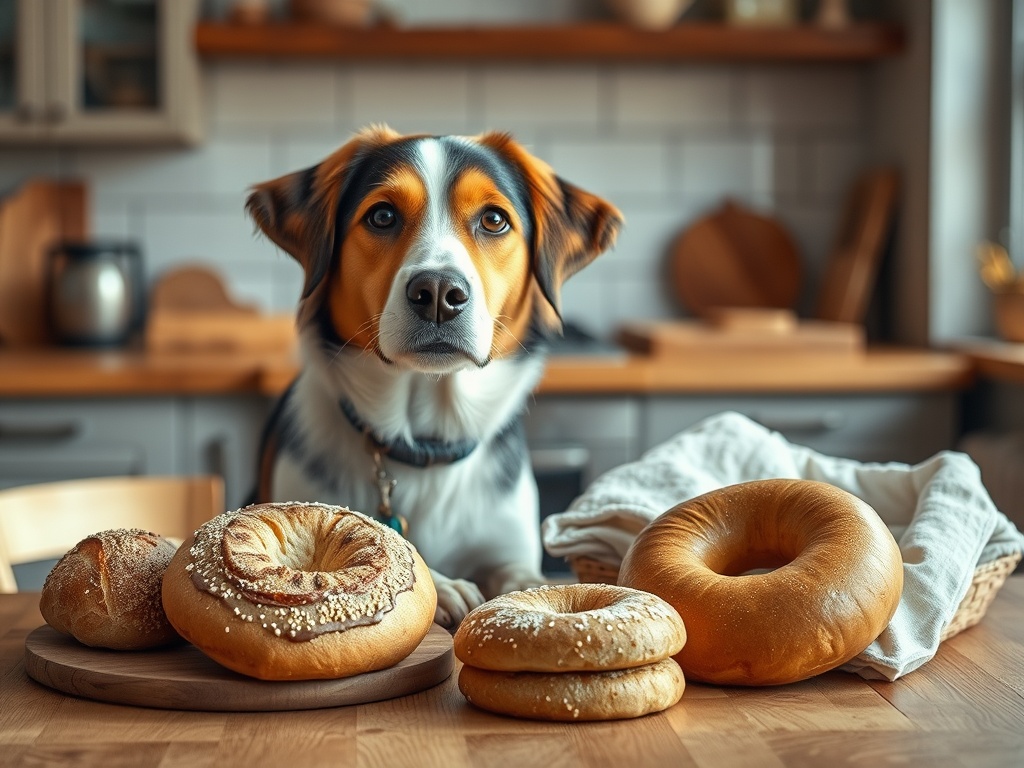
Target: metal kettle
x=94 y=292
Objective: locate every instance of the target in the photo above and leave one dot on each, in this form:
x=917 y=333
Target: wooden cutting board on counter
x=735 y=257
x=181 y=677
x=32 y=220
x=190 y=310
x=676 y=338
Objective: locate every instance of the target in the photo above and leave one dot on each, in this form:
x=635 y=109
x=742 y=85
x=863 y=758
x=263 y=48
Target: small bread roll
x=105 y=592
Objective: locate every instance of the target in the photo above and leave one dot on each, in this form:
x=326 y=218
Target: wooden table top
x=53 y=372
x=964 y=708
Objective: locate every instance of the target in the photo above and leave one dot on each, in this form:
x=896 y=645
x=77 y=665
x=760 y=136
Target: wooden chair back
x=42 y=522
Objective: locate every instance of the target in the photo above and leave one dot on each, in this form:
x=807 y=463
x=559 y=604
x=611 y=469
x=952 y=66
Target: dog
x=432 y=274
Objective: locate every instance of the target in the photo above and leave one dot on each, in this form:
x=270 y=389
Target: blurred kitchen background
x=854 y=164
x=667 y=141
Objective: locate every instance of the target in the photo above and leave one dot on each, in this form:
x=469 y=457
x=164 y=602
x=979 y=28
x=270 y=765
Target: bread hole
x=293 y=558
x=754 y=564
x=579 y=601
x=276 y=530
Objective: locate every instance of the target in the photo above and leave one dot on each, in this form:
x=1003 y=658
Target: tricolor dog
x=433 y=267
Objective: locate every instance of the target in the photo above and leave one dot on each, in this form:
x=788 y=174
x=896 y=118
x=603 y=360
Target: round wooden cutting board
x=735 y=257
x=181 y=677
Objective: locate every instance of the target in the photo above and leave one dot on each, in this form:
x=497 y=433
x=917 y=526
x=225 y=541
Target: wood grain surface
x=735 y=257
x=585 y=41
x=996 y=360
x=33 y=219
x=964 y=708
x=682 y=339
x=77 y=373
x=181 y=677
x=852 y=268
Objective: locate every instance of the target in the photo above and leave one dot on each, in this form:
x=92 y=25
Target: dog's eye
x=381 y=216
x=494 y=221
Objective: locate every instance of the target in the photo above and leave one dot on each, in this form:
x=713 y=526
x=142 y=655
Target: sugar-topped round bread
x=299 y=591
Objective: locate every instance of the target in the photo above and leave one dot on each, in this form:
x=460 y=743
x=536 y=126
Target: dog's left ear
x=572 y=227
x=299 y=211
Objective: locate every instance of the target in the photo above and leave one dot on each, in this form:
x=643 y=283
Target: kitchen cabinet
x=907 y=427
x=589 y=434
x=572 y=440
x=46 y=440
x=221 y=436
x=98 y=72
x=576 y=439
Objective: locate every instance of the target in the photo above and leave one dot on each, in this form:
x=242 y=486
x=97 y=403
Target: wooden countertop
x=52 y=372
x=963 y=708
x=994 y=359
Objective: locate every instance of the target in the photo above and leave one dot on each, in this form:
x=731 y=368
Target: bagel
x=837 y=580
x=569 y=627
x=611 y=695
x=105 y=592
x=299 y=591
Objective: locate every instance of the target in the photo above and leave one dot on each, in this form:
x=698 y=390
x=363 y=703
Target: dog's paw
x=455 y=598
x=512 y=578
x=514 y=585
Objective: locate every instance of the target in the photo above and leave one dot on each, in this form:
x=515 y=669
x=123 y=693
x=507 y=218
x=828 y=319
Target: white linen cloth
x=938 y=511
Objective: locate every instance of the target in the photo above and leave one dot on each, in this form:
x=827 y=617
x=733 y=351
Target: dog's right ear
x=299 y=211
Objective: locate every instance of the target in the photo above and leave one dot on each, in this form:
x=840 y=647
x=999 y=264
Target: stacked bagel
x=572 y=652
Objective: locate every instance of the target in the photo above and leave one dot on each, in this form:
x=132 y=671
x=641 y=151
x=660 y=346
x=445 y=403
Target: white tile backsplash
x=645 y=240
x=525 y=98
x=292 y=154
x=813 y=227
x=714 y=168
x=111 y=222
x=665 y=144
x=287 y=278
x=220 y=168
x=211 y=237
x=804 y=97
x=613 y=167
x=835 y=165
x=411 y=99
x=673 y=98
x=19 y=165
x=303 y=95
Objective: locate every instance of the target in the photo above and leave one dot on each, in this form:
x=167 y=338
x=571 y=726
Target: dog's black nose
x=437 y=296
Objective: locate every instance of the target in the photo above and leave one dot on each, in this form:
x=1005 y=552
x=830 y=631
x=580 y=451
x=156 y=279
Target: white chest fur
x=461 y=518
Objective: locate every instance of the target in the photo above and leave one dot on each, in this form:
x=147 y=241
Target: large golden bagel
x=569 y=627
x=837 y=580
x=299 y=591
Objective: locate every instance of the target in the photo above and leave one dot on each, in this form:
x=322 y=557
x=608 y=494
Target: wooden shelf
x=605 y=42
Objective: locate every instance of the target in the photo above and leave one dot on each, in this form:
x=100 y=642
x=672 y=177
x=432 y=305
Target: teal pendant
x=398 y=524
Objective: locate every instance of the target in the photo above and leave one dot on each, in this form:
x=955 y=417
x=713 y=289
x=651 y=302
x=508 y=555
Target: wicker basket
x=987 y=581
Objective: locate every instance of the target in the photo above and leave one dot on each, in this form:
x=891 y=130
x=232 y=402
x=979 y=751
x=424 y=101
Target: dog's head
x=436 y=253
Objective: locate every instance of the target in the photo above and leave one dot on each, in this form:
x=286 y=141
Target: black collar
x=424 y=452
